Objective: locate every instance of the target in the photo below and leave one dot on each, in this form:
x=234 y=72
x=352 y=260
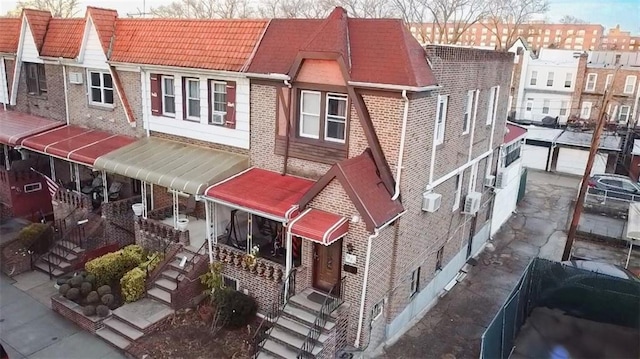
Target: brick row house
x=348 y=161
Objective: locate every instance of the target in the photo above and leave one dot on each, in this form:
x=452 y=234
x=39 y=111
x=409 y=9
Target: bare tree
x=204 y=9
x=511 y=15
x=416 y=16
x=58 y=8
x=569 y=19
x=367 y=8
x=294 y=8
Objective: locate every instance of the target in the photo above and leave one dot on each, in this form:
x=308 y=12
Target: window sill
x=194 y=120
x=318 y=142
x=100 y=106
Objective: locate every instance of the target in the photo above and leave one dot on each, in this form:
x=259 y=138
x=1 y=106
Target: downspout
x=66 y=93
x=375 y=234
x=145 y=117
x=472 y=131
x=403 y=134
x=287 y=140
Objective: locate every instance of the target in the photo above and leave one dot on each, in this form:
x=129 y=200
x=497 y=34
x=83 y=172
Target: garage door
x=575 y=161
x=535 y=157
x=505 y=201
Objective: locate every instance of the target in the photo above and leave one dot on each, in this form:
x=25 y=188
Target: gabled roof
x=375 y=50
x=38 y=21
x=205 y=44
x=360 y=180
x=10 y=34
x=63 y=38
x=104 y=21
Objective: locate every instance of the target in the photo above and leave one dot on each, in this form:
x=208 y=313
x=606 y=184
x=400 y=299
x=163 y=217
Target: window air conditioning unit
x=75 y=78
x=489 y=181
x=431 y=201
x=472 y=203
x=501 y=180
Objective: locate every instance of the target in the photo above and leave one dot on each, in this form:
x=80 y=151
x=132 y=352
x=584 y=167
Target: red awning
x=320 y=226
x=16 y=126
x=262 y=192
x=76 y=144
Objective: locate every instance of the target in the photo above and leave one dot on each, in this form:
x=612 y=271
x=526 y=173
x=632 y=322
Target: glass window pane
x=335 y=130
x=194 y=89
x=95 y=79
x=194 y=108
x=168 y=86
x=169 y=105
x=108 y=96
x=310 y=125
x=96 y=95
x=337 y=107
x=311 y=103
x=108 y=82
x=220 y=102
x=221 y=88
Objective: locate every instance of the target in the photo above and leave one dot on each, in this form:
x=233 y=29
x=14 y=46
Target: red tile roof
x=104 y=21
x=63 y=38
x=38 y=21
x=513 y=132
x=377 y=50
x=10 y=34
x=206 y=44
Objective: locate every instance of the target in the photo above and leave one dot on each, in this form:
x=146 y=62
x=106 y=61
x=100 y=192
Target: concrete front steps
x=292 y=327
x=130 y=322
x=63 y=255
x=168 y=281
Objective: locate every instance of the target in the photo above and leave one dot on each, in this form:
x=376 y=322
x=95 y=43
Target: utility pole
x=595 y=143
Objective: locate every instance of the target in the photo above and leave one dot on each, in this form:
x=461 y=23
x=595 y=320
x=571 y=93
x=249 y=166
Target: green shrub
x=112 y=266
x=134 y=281
x=93 y=297
x=85 y=288
x=76 y=281
x=73 y=294
x=64 y=289
x=90 y=278
x=236 y=309
x=89 y=310
x=107 y=300
x=102 y=310
x=105 y=289
x=31 y=234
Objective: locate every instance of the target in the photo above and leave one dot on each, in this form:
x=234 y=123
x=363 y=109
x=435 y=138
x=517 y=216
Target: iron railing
x=331 y=302
x=286 y=292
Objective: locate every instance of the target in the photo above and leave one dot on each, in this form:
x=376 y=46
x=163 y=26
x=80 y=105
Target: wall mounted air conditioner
x=472 y=203
x=489 y=181
x=431 y=201
x=75 y=78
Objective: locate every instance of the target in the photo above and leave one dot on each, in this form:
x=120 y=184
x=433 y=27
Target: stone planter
x=182 y=224
x=137 y=209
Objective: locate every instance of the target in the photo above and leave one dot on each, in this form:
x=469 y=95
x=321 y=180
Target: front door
x=327 y=263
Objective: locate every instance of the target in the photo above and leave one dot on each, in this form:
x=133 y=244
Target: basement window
x=377 y=310
x=32 y=187
x=230 y=282
x=415 y=282
x=439 y=257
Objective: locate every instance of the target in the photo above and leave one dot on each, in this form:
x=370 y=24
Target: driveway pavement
x=453 y=327
x=29 y=329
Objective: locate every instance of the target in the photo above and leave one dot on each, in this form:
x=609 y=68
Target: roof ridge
x=247 y=63
x=408 y=66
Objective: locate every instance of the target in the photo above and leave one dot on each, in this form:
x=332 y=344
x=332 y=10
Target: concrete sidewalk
x=453 y=327
x=29 y=329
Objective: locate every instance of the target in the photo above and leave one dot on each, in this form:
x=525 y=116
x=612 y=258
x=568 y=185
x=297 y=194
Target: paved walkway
x=453 y=327
x=29 y=329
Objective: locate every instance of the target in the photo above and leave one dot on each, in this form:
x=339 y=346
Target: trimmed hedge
x=112 y=266
x=134 y=281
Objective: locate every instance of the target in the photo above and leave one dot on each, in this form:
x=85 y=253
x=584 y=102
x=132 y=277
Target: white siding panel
x=93 y=56
x=506 y=198
x=29 y=48
x=4 y=88
x=535 y=157
x=575 y=161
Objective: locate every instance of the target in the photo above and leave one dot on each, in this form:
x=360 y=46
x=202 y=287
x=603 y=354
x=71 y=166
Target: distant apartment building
x=616 y=39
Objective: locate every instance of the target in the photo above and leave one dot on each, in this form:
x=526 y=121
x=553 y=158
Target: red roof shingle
x=63 y=38
x=376 y=50
x=10 y=34
x=513 y=132
x=38 y=21
x=104 y=21
x=206 y=44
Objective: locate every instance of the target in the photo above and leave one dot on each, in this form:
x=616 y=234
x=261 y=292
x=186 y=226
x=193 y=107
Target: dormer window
x=323 y=116
x=36 y=79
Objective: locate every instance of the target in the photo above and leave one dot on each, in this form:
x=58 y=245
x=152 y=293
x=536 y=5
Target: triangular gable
x=37 y=21
x=332 y=36
x=104 y=21
x=92 y=52
x=27 y=47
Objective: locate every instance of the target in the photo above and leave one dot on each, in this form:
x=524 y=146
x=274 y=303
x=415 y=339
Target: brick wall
x=5 y=187
x=14 y=259
x=617 y=86
x=155 y=236
x=337 y=338
x=579 y=87
x=9 y=66
x=65 y=202
x=119 y=221
x=190 y=288
x=73 y=312
x=50 y=104
x=191 y=141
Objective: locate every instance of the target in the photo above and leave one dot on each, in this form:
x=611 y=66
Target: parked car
x=614 y=186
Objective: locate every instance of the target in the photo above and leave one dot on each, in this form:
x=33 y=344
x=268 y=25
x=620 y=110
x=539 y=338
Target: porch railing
x=331 y=302
x=287 y=290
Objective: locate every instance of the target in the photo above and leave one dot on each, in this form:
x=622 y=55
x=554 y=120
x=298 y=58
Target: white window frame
x=458 y=192
x=550 y=78
x=528 y=107
x=191 y=98
x=627 y=115
x=593 y=84
x=101 y=87
x=32 y=187
x=607 y=81
x=494 y=94
x=546 y=104
x=466 y=119
x=439 y=259
x=415 y=282
x=302 y=113
x=228 y=278
x=586 y=108
x=533 y=81
x=163 y=87
x=441 y=114
x=564 y=105
x=630 y=84
x=214 y=112
x=568 y=79
x=335 y=118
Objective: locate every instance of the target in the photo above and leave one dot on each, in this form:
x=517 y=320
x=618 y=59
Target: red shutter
x=156 y=95
x=184 y=98
x=231 y=104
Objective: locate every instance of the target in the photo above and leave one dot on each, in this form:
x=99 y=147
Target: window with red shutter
x=231 y=105
x=156 y=94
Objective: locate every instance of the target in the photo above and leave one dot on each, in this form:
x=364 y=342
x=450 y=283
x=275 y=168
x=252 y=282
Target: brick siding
x=73 y=312
x=50 y=104
x=119 y=221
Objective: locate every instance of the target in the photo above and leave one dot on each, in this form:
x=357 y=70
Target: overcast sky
x=608 y=13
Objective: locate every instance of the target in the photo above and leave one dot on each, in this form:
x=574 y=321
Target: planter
x=183 y=223
x=137 y=209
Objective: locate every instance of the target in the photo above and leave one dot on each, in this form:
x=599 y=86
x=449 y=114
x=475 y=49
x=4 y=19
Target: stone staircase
x=173 y=273
x=292 y=327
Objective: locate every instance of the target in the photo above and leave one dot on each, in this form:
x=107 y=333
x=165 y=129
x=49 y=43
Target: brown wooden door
x=327 y=263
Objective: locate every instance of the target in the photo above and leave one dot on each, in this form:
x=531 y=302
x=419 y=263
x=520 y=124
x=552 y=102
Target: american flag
x=51 y=184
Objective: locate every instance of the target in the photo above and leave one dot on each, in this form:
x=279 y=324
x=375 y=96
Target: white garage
x=574 y=161
x=535 y=156
x=506 y=196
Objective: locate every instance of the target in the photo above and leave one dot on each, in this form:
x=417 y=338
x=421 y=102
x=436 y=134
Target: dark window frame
x=321 y=140
x=36 y=79
x=102 y=88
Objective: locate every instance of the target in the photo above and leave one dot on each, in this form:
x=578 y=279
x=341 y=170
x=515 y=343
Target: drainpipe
x=145 y=117
x=287 y=140
x=405 y=115
x=375 y=234
x=289 y=248
x=66 y=93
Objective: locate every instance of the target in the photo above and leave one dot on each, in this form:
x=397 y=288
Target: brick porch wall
x=119 y=221
x=50 y=104
x=73 y=312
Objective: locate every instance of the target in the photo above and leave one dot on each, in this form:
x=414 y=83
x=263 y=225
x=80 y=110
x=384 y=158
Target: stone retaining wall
x=73 y=312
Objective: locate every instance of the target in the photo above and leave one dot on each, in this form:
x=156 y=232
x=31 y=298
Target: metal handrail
x=286 y=292
x=192 y=260
x=331 y=302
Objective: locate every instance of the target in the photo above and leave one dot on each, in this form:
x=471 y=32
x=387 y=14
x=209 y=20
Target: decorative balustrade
x=255 y=265
x=120 y=208
x=73 y=198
